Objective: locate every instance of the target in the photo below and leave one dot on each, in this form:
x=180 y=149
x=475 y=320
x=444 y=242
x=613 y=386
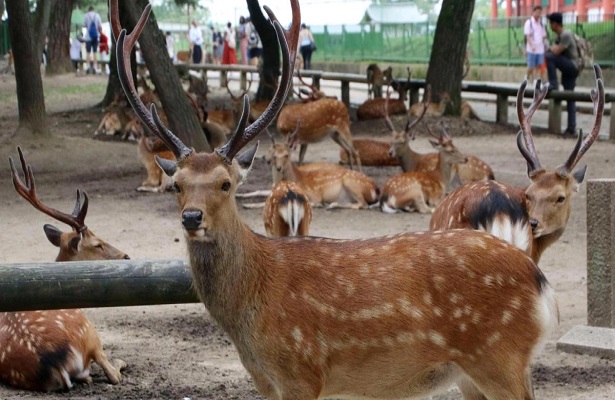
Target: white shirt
x=538 y=34
x=75 y=49
x=230 y=37
x=195 y=35
x=171 y=45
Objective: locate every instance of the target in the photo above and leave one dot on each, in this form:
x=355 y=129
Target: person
x=75 y=53
x=255 y=46
x=229 y=55
x=104 y=49
x=535 y=35
x=216 y=53
x=92 y=24
x=306 y=41
x=243 y=40
x=563 y=55
x=170 y=45
x=195 y=37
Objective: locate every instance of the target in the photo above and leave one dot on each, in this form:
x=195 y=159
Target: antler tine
x=125 y=43
x=525 y=117
x=310 y=85
x=292 y=137
x=410 y=125
x=446 y=130
x=81 y=210
x=27 y=190
x=387 y=119
x=532 y=161
x=288 y=43
x=430 y=132
x=579 y=150
x=243 y=92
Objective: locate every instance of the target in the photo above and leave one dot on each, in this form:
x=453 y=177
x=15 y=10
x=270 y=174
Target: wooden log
x=116 y=283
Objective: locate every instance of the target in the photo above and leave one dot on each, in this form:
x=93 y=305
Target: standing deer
x=531 y=218
x=419 y=190
x=375 y=81
x=48 y=350
x=399 y=316
x=287 y=211
x=319 y=118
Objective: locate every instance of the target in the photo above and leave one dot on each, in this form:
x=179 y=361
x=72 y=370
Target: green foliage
x=177 y=11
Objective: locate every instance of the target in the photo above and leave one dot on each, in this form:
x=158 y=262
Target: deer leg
x=422 y=206
x=469 y=390
x=346 y=144
x=302 y=151
x=497 y=381
x=111 y=371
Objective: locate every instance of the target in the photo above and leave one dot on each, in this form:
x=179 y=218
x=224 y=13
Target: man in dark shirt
x=563 y=55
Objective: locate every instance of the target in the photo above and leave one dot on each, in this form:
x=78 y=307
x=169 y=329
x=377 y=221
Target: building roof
x=394 y=14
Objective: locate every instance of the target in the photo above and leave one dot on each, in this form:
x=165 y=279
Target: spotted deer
x=375 y=81
x=48 y=350
x=533 y=218
x=423 y=191
x=325 y=184
x=434 y=109
x=319 y=118
x=287 y=211
x=399 y=316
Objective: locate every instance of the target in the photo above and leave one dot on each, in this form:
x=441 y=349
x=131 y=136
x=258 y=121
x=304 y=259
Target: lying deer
x=373 y=108
x=415 y=190
x=434 y=109
x=287 y=211
x=48 y=350
x=400 y=316
x=319 y=118
x=533 y=218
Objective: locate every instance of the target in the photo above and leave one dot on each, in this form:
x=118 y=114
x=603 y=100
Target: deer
x=48 y=350
x=287 y=211
x=418 y=191
x=535 y=217
x=398 y=316
x=375 y=80
x=434 y=110
x=320 y=118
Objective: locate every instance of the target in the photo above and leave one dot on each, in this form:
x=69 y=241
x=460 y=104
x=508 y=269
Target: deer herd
x=400 y=316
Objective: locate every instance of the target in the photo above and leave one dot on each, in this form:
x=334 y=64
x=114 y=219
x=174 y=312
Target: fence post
x=223 y=79
x=501 y=109
x=243 y=80
x=612 y=122
x=316 y=81
x=555 y=116
x=346 y=93
x=598 y=336
x=204 y=76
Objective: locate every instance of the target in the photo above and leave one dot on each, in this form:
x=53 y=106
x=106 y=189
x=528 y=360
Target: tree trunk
x=270 y=68
x=2 y=8
x=58 y=49
x=41 y=24
x=182 y=118
x=31 y=102
x=448 y=52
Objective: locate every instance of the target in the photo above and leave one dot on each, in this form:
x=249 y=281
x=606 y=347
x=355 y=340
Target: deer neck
x=410 y=159
x=540 y=244
x=227 y=274
x=443 y=172
x=289 y=173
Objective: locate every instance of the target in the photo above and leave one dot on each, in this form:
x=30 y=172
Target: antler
x=387 y=119
x=312 y=87
x=124 y=45
x=581 y=147
x=411 y=125
x=243 y=93
x=27 y=190
x=446 y=130
x=527 y=149
x=288 y=43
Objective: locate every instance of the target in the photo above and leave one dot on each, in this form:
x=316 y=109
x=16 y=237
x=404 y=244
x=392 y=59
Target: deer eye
x=561 y=199
x=226 y=186
x=176 y=188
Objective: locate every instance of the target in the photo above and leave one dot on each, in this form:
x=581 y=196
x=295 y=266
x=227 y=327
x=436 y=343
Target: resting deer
x=48 y=350
x=531 y=218
x=319 y=118
x=419 y=190
x=400 y=316
x=434 y=109
x=287 y=211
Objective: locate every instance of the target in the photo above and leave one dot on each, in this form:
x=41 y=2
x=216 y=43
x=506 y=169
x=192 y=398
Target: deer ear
x=579 y=174
x=73 y=243
x=54 y=235
x=169 y=167
x=245 y=160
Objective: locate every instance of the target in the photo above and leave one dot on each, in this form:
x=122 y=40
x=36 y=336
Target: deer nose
x=126 y=257
x=191 y=219
x=534 y=223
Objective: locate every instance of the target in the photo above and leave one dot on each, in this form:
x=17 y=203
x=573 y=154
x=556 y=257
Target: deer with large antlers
x=319 y=118
x=392 y=317
x=533 y=218
x=48 y=350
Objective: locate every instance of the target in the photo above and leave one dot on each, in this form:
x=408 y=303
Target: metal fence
x=498 y=42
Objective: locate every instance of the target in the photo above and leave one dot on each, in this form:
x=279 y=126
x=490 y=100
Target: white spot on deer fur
x=463 y=327
x=454 y=298
x=493 y=338
x=457 y=313
x=454 y=353
x=506 y=317
x=439 y=282
x=40 y=319
x=476 y=318
x=437 y=311
x=427 y=298
x=515 y=303
x=437 y=338
x=297 y=335
x=405 y=337
x=487 y=280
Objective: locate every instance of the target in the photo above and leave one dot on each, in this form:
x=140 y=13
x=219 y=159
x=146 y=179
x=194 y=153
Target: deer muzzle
x=192 y=219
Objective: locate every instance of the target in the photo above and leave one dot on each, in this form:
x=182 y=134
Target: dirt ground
x=176 y=351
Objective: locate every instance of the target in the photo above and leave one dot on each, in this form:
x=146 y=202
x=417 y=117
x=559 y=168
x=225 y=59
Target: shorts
x=535 y=60
x=255 y=52
x=91 y=45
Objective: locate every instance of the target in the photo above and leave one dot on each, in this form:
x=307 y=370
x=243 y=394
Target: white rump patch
x=518 y=234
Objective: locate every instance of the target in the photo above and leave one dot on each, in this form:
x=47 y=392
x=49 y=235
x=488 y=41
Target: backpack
x=252 y=37
x=586 y=54
x=93 y=30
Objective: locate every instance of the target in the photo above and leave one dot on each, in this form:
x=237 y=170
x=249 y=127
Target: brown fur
x=372 y=153
x=434 y=109
x=374 y=108
x=286 y=200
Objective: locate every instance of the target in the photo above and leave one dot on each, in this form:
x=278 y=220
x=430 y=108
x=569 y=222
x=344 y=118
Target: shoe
x=570 y=132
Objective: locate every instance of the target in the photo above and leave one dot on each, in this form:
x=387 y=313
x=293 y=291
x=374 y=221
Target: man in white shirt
x=195 y=37
x=535 y=35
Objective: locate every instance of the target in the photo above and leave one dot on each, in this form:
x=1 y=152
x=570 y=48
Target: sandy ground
x=176 y=351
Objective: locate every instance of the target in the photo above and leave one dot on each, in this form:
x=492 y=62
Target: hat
x=556 y=17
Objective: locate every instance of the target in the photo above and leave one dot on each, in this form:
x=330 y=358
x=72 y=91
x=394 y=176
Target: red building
x=603 y=9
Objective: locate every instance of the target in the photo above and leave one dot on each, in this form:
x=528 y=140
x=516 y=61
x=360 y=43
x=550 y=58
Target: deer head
x=278 y=156
x=81 y=243
x=313 y=93
x=206 y=182
x=401 y=139
x=443 y=143
x=548 y=196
